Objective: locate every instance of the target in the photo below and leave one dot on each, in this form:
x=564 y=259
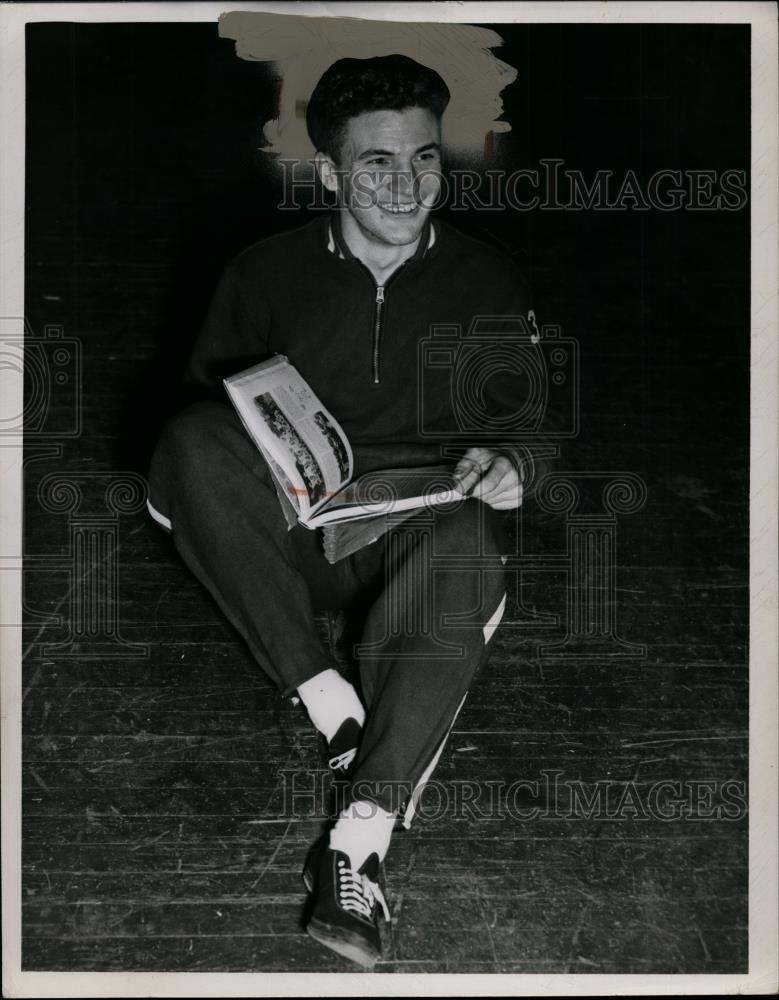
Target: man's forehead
x=391 y=130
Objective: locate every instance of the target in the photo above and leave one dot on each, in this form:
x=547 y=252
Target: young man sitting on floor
x=348 y=298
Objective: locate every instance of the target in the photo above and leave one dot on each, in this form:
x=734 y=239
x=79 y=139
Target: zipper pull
x=379 y=294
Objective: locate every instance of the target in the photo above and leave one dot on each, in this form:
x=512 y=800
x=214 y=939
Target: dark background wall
x=145 y=175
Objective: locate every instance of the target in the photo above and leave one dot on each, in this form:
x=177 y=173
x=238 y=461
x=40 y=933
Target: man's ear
x=327 y=170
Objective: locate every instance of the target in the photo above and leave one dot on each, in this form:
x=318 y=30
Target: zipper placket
x=377 y=331
x=378 y=308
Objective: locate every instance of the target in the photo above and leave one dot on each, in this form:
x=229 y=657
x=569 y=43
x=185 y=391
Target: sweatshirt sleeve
x=234 y=335
x=517 y=398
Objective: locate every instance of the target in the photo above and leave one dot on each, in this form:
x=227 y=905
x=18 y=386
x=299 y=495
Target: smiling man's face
x=389 y=173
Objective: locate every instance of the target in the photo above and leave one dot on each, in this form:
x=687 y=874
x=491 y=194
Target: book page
x=390 y=490
x=294 y=429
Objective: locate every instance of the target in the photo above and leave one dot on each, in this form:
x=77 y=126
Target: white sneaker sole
x=351 y=946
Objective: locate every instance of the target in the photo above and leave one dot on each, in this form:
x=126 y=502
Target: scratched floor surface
x=170 y=797
x=589 y=811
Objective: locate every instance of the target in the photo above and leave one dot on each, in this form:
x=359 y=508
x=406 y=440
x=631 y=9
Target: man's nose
x=402 y=184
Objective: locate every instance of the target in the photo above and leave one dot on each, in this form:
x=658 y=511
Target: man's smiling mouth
x=408 y=209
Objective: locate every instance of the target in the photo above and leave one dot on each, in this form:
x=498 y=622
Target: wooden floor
x=159 y=833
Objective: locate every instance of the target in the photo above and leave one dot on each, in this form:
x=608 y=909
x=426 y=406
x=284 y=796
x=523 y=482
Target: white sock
x=329 y=701
x=362 y=828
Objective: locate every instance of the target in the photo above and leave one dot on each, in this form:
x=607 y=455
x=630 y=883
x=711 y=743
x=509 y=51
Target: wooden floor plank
x=159 y=831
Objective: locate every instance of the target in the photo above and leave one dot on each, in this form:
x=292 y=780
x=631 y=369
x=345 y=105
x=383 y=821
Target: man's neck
x=381 y=259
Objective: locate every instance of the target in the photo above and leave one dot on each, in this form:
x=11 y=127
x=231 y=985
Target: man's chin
x=391 y=230
x=402 y=232
x=400 y=240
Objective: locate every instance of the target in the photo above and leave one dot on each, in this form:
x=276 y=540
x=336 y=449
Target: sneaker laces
x=357 y=893
x=342 y=760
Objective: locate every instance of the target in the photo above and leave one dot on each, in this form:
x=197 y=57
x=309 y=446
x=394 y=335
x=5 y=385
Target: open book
x=311 y=458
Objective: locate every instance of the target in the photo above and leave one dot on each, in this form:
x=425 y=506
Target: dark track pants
x=433 y=587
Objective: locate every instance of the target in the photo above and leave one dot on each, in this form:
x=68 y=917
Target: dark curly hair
x=351 y=87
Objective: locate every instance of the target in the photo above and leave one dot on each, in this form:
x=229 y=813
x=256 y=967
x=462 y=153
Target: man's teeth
x=399 y=209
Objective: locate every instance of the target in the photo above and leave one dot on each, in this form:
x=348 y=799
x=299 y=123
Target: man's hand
x=490 y=477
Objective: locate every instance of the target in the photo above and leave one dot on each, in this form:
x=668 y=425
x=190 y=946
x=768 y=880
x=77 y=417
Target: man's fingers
x=510 y=486
x=500 y=477
x=488 y=477
x=507 y=501
x=506 y=505
x=467 y=475
x=468 y=470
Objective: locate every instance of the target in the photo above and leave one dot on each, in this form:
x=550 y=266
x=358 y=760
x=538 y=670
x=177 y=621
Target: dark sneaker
x=343 y=748
x=346 y=903
x=313 y=859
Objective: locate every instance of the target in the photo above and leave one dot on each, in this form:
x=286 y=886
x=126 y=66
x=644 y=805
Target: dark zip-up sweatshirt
x=370 y=352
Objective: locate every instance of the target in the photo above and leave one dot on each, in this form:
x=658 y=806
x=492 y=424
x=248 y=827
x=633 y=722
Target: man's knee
x=471 y=529
x=195 y=428
x=190 y=441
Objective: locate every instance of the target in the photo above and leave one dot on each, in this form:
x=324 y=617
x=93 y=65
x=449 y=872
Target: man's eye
x=428 y=156
x=378 y=161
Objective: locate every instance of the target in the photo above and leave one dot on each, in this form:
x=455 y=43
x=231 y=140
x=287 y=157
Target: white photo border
x=763 y=975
